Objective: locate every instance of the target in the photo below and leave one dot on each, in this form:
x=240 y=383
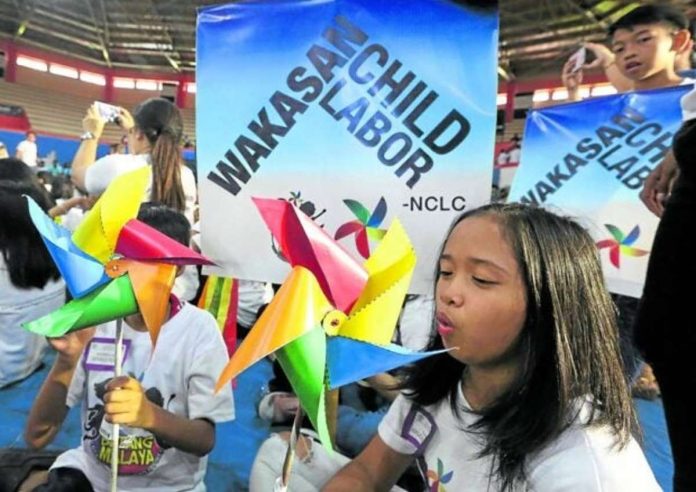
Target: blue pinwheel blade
x=632 y=236
x=378 y=214
x=350 y=360
x=81 y=272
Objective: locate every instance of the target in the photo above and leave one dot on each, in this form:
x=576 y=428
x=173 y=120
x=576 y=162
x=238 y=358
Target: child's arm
x=657 y=185
x=606 y=60
x=571 y=80
x=87 y=151
x=49 y=409
x=385 y=384
x=125 y=403
x=378 y=467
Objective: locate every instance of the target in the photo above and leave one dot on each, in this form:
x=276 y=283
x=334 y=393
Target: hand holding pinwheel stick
x=114 y=266
x=332 y=321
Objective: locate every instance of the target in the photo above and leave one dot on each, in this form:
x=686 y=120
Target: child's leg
x=35 y=478
x=312 y=468
x=65 y=480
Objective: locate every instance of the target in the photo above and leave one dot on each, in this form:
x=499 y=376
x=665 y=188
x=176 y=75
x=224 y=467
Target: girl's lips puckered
x=444 y=330
x=444 y=325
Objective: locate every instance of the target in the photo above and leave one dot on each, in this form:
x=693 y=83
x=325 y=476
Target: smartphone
x=108 y=112
x=578 y=59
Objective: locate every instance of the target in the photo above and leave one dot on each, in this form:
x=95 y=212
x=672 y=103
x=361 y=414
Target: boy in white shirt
x=166 y=405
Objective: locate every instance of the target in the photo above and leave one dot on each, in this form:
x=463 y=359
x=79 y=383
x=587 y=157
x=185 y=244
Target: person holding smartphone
x=154 y=132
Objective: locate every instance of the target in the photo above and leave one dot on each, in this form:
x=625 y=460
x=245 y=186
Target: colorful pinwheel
x=621 y=244
x=113 y=265
x=332 y=321
x=366 y=227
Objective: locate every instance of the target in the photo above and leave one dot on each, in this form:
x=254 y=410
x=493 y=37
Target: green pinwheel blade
x=615 y=232
x=115 y=300
x=304 y=362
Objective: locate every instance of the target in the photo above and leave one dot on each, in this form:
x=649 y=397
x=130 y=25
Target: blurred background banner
x=590 y=159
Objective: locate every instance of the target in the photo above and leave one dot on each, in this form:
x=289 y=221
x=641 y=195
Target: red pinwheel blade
x=139 y=241
x=362 y=243
x=304 y=243
x=615 y=256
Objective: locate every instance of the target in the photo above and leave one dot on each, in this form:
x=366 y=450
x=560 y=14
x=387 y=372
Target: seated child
x=362 y=406
x=166 y=405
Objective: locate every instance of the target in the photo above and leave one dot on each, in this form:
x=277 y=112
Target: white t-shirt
x=20 y=350
x=581 y=459
x=514 y=155
x=251 y=296
x=29 y=152
x=99 y=175
x=179 y=375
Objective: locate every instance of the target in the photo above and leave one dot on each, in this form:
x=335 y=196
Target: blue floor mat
x=237 y=442
x=229 y=463
x=655 y=440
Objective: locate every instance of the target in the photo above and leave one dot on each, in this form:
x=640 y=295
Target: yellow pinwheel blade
x=375 y=313
x=98 y=233
x=297 y=308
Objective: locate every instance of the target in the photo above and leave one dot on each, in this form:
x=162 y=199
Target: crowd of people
x=534 y=392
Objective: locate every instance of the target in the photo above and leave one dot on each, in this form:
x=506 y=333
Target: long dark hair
x=568 y=346
x=161 y=123
x=28 y=262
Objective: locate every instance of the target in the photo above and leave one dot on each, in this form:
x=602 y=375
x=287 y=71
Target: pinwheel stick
x=281 y=484
x=116 y=428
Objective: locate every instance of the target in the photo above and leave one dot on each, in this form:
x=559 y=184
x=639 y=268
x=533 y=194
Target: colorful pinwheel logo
x=332 y=320
x=113 y=264
x=366 y=227
x=436 y=479
x=621 y=245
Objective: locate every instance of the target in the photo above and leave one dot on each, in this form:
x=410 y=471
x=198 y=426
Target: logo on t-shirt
x=137 y=454
x=439 y=477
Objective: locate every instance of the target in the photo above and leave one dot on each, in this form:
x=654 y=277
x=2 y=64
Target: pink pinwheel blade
x=139 y=241
x=615 y=256
x=304 y=243
x=362 y=243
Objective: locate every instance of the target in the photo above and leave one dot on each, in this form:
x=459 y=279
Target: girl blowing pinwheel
x=531 y=394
